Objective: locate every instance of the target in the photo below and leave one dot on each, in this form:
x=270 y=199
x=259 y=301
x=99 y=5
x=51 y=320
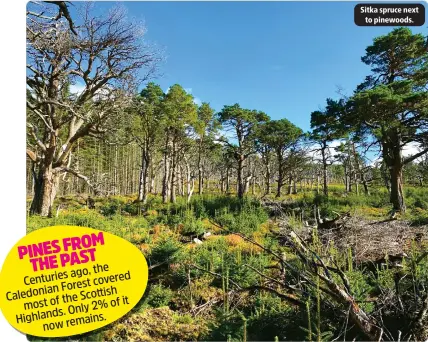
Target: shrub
x=112 y=207
x=165 y=250
x=158 y=296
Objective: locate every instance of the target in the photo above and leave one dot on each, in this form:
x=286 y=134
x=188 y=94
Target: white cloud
x=77 y=88
x=372 y=158
x=335 y=143
x=375 y=162
x=411 y=149
x=315 y=152
x=196 y=100
x=102 y=93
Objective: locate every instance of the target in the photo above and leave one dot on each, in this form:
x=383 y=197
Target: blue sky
x=284 y=58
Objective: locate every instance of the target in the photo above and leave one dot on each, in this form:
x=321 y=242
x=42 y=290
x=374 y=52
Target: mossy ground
x=207 y=308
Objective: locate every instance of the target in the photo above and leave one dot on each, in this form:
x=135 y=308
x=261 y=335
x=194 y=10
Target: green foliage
x=279 y=134
x=407 y=61
x=113 y=206
x=325 y=124
x=226 y=259
x=226 y=329
x=240 y=118
x=246 y=221
x=165 y=250
x=158 y=296
x=206 y=125
x=178 y=108
x=381 y=106
x=362 y=288
x=192 y=226
x=417 y=198
x=244 y=125
x=270 y=318
x=223 y=287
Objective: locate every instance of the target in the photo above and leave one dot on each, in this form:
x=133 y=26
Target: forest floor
x=369 y=247
x=370 y=239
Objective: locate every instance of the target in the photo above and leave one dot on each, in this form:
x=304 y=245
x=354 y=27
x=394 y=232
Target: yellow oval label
x=66 y=280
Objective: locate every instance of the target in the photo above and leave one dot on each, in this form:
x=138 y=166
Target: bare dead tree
x=315 y=267
x=64 y=12
x=105 y=59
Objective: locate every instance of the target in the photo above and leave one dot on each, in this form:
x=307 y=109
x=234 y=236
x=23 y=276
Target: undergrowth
x=210 y=307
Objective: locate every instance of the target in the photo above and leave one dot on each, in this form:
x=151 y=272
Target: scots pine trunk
x=46 y=182
x=397 y=197
x=144 y=175
x=190 y=181
x=173 y=172
x=392 y=155
x=200 y=168
x=279 y=185
x=360 y=172
x=267 y=181
x=240 y=178
x=166 y=172
x=324 y=168
x=290 y=185
x=396 y=172
x=365 y=185
x=247 y=182
x=115 y=173
x=318 y=183
x=345 y=170
x=280 y=174
x=182 y=181
x=266 y=161
x=386 y=177
x=227 y=180
x=201 y=182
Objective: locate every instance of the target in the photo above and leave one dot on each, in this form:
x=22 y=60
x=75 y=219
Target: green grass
x=373 y=206
x=162 y=232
